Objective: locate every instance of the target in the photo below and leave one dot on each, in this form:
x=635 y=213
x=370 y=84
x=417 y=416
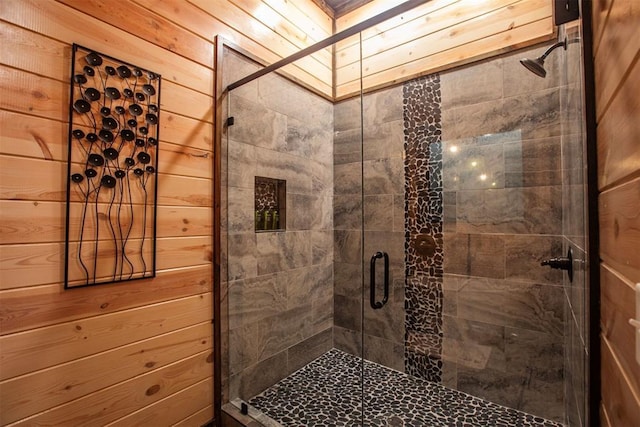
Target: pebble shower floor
x=327 y=392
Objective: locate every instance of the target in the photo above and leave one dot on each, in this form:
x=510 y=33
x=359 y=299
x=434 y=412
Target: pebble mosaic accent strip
x=422 y=115
x=328 y=391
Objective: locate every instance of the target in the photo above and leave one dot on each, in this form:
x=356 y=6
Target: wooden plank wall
x=617 y=73
x=136 y=353
x=437 y=35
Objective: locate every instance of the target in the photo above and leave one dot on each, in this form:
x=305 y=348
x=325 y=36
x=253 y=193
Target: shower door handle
x=372 y=280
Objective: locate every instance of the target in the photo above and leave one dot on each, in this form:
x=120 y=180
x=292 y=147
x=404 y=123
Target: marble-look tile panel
x=347 y=312
x=480 y=255
x=536 y=115
x=524 y=254
x=257 y=125
x=309 y=142
x=531 y=210
x=285 y=166
x=385 y=241
x=237 y=67
x=387 y=323
x=347 y=340
x=347 y=146
x=347 y=279
x=294 y=101
x=468 y=165
x=347 y=179
x=472 y=84
x=398 y=212
x=385 y=176
x=242 y=165
x=259 y=377
x=280 y=251
x=533 y=353
x=382 y=106
x=321 y=247
x=309 y=212
x=251 y=300
x=308 y=284
x=321 y=178
x=346 y=115
x=308 y=350
x=519 y=305
x=347 y=212
x=240 y=212
x=377 y=213
x=383 y=141
x=533 y=163
x=347 y=246
x=384 y=352
x=474 y=344
x=449 y=211
x=242 y=259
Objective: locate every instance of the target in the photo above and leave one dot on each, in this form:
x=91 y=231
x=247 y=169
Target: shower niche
x=270 y=201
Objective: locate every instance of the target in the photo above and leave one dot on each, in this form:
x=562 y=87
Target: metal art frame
x=112 y=171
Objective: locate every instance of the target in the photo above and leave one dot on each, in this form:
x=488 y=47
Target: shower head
x=536 y=66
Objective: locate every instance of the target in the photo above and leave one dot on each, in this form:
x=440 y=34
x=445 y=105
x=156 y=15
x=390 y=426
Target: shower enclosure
x=381 y=255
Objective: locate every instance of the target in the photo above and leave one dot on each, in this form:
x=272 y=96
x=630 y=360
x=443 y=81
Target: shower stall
x=381 y=255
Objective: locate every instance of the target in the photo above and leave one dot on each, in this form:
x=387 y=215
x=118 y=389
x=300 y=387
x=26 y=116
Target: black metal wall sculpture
x=114 y=118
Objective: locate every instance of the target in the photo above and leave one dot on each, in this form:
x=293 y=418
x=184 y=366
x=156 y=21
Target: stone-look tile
x=384 y=176
x=240 y=212
x=385 y=241
x=468 y=165
x=242 y=259
x=321 y=179
x=384 y=352
x=385 y=323
x=449 y=374
x=305 y=285
x=518 y=305
x=348 y=279
x=242 y=165
x=308 y=212
x=281 y=251
x=544 y=399
x=347 y=212
x=308 y=350
x=291 y=100
x=382 y=106
x=472 y=84
x=346 y=115
x=347 y=340
x=321 y=247
x=535 y=115
x=309 y=142
x=537 y=354
x=473 y=344
x=347 y=179
x=480 y=255
x=251 y=300
x=347 y=146
x=384 y=141
x=577 y=293
x=449 y=211
x=518 y=80
x=347 y=312
x=239 y=68
x=378 y=212
x=285 y=166
x=259 y=377
x=524 y=254
x=257 y=125
x=532 y=210
x=398 y=212
x=533 y=163
x=347 y=246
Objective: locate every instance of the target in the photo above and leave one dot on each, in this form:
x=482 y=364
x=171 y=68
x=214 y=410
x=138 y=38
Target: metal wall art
x=114 y=118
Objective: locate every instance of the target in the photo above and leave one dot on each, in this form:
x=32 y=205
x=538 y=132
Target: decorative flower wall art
x=114 y=118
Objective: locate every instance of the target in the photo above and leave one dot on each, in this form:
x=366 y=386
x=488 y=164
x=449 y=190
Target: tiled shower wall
x=379 y=168
x=502 y=173
x=280 y=290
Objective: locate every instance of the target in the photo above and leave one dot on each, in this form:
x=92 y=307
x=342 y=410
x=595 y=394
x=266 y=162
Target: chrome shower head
x=536 y=66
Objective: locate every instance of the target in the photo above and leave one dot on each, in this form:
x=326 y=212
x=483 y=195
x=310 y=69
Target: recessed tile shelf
x=270 y=212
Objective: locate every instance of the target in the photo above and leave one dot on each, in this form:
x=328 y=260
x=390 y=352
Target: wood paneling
x=620 y=229
x=617 y=81
x=436 y=35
